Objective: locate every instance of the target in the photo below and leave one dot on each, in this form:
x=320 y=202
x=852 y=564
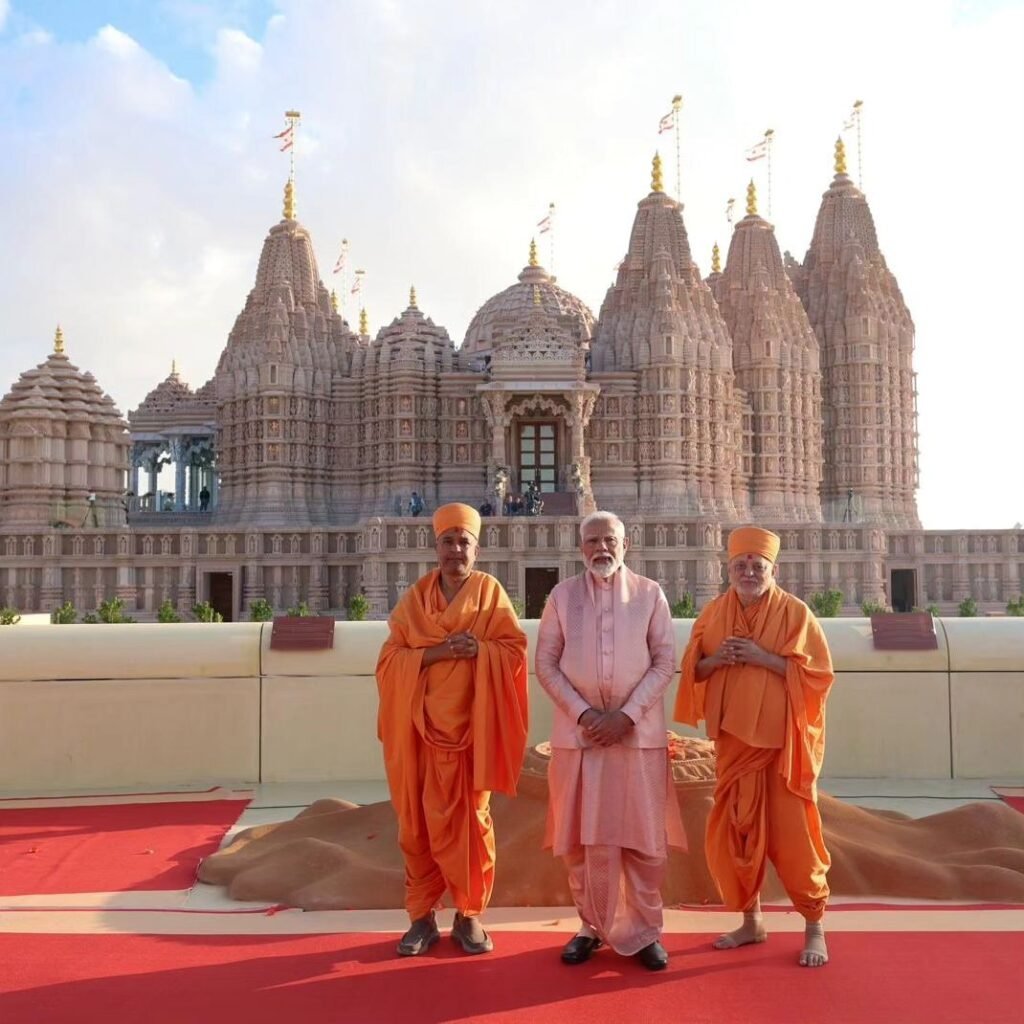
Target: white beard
x=605 y=569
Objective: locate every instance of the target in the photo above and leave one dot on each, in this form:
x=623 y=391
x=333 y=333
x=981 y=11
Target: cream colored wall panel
x=137 y=651
x=318 y=728
x=986 y=645
x=143 y=732
x=356 y=648
x=852 y=649
x=988 y=724
x=888 y=725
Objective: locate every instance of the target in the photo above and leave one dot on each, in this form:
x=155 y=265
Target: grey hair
x=604 y=517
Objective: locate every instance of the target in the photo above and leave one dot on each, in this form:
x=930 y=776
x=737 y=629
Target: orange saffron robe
x=452 y=732
x=769 y=734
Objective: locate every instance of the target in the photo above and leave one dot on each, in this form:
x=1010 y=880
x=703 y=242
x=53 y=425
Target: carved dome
x=411 y=341
x=170 y=393
x=519 y=302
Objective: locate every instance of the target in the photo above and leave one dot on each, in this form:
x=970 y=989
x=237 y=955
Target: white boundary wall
x=84 y=707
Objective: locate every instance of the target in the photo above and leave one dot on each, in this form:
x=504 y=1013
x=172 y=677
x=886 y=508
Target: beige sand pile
x=338 y=856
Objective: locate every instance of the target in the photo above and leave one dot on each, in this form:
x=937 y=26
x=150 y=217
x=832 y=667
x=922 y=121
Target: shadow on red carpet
x=932 y=978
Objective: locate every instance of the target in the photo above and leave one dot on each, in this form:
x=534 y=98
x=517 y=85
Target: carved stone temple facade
x=771 y=390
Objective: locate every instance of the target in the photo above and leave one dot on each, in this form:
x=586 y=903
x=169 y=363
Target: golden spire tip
x=364 y=322
x=58 y=341
x=716 y=260
x=657 y=185
x=174 y=367
x=677 y=102
x=289 y=200
x=752 y=199
x=534 y=262
x=840 y=156
x=412 y=297
x=334 y=301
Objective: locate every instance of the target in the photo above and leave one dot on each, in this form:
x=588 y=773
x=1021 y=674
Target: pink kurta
x=612 y=811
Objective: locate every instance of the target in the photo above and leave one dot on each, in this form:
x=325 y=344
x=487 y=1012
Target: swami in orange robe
x=757 y=670
x=452 y=678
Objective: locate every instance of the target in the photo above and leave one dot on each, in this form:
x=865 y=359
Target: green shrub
x=111 y=612
x=260 y=610
x=204 y=612
x=9 y=616
x=1015 y=608
x=968 y=608
x=933 y=610
x=826 y=605
x=685 y=607
x=358 y=608
x=167 y=612
x=65 y=615
x=299 y=611
x=869 y=608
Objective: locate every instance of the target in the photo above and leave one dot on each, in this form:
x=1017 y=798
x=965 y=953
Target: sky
x=139 y=174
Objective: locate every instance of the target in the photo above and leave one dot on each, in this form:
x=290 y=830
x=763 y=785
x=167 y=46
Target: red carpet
x=1016 y=802
x=874 y=978
x=109 y=847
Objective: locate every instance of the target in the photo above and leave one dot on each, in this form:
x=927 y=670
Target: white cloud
x=5 y=10
x=237 y=52
x=435 y=135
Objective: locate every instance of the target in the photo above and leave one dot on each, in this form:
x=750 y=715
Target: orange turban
x=448 y=517
x=752 y=540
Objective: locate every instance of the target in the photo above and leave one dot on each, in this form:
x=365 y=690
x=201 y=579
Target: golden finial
x=677 y=102
x=174 y=367
x=657 y=185
x=334 y=301
x=716 y=260
x=534 y=262
x=58 y=341
x=364 y=322
x=751 y=199
x=536 y=295
x=412 y=297
x=289 y=200
x=840 y=156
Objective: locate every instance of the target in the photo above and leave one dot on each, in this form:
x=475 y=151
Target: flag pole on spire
x=852 y=123
x=769 y=136
x=677 y=106
x=341 y=267
x=547 y=226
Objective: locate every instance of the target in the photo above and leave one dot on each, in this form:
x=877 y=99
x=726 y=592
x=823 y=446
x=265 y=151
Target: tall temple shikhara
x=771 y=391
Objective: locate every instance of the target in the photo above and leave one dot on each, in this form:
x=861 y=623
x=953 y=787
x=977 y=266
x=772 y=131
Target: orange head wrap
x=448 y=517
x=752 y=540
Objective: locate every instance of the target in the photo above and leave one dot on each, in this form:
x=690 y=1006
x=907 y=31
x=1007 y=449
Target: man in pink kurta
x=605 y=654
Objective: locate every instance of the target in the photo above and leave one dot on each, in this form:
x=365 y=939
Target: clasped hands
x=605 y=728
x=462 y=645
x=739 y=650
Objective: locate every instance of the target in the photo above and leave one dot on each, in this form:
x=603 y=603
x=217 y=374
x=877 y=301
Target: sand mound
x=338 y=856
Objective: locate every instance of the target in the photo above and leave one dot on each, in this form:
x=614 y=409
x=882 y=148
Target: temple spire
x=334 y=301
x=174 y=367
x=716 y=260
x=533 y=253
x=657 y=184
x=412 y=297
x=751 y=199
x=364 y=322
x=840 y=156
x=58 y=341
x=289 y=200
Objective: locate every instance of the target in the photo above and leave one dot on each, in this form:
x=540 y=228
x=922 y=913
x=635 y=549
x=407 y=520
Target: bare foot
x=815 y=952
x=751 y=931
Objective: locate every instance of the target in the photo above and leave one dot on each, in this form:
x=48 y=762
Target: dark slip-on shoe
x=579 y=949
x=422 y=934
x=653 y=957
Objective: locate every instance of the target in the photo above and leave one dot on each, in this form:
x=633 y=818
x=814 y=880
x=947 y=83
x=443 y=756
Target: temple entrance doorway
x=538 y=455
x=220 y=586
x=903 y=589
x=539 y=583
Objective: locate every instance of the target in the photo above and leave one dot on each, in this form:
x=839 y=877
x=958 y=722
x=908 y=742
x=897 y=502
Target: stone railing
x=172 y=705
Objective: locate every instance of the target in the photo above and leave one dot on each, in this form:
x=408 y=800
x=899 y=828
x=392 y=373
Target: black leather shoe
x=579 y=949
x=653 y=957
x=469 y=933
x=422 y=934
